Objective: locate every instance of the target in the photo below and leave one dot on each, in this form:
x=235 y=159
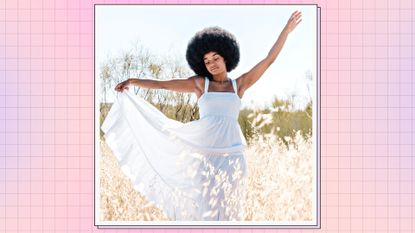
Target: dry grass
x=119 y=200
x=279 y=180
x=279 y=184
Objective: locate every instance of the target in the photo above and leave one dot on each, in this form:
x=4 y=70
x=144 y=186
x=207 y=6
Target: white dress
x=192 y=171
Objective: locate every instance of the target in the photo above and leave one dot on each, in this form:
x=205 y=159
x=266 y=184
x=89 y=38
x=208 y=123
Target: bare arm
x=246 y=80
x=180 y=85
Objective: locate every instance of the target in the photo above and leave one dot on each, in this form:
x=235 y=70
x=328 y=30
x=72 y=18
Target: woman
x=196 y=170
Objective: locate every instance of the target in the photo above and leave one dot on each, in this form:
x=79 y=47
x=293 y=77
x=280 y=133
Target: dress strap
x=206 y=84
x=234 y=86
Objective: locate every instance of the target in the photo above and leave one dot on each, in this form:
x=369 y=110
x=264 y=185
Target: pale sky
x=167 y=29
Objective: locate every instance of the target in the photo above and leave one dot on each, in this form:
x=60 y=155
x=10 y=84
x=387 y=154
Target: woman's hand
x=122 y=85
x=294 y=20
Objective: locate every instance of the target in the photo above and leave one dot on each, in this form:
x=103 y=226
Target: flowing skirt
x=192 y=171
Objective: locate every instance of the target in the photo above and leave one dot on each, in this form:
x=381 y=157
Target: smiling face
x=214 y=63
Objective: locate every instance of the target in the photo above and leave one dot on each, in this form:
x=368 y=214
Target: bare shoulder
x=199 y=83
x=197 y=79
x=239 y=81
x=240 y=85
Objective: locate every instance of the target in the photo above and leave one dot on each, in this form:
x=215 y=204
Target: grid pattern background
x=367 y=112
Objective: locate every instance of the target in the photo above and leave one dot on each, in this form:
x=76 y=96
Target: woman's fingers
x=296 y=17
x=295 y=14
x=298 y=22
x=117 y=88
x=294 y=20
x=120 y=87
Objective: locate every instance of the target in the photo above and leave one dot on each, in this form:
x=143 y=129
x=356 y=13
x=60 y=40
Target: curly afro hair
x=212 y=39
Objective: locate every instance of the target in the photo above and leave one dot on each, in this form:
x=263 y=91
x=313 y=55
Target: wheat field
x=280 y=184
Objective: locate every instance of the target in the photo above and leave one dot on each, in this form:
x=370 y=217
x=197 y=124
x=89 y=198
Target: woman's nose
x=210 y=64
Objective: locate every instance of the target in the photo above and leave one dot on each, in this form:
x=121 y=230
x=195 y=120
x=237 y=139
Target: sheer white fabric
x=192 y=171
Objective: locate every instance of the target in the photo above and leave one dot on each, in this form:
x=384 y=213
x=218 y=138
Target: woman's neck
x=221 y=78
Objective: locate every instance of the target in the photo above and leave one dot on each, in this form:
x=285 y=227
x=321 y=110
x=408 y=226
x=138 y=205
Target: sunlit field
x=279 y=182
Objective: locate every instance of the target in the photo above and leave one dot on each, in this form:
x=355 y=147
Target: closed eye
x=216 y=58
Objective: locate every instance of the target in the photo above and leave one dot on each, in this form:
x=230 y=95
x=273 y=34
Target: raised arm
x=191 y=84
x=246 y=80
